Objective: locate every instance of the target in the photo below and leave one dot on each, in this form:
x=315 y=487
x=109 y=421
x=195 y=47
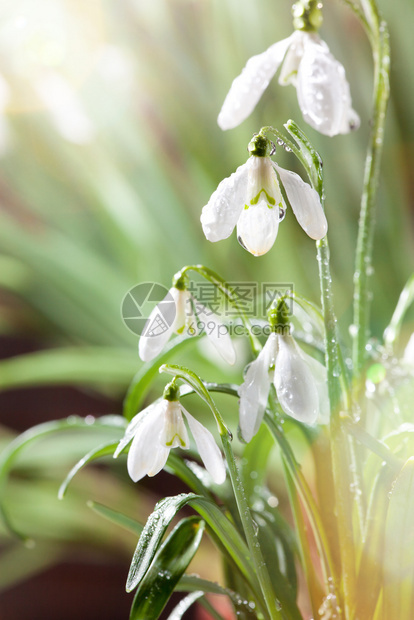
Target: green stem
x=378 y=34
x=341 y=454
x=227 y=292
x=245 y=516
x=343 y=461
x=195 y=382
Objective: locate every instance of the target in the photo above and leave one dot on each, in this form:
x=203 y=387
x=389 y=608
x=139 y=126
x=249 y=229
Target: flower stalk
x=379 y=38
x=273 y=607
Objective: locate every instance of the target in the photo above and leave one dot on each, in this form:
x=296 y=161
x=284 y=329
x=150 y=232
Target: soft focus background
x=109 y=149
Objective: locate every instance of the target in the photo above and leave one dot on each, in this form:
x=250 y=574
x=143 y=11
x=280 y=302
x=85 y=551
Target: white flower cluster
x=254 y=199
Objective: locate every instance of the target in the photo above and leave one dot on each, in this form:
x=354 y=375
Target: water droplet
x=273 y=501
x=353 y=330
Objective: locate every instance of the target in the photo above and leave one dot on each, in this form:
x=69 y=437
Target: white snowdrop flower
x=161 y=427
x=178 y=312
x=306 y=62
x=299 y=379
x=251 y=200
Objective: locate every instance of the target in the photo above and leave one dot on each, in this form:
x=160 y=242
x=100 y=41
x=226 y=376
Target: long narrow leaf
x=11 y=452
x=152 y=535
x=372 y=556
x=178 y=611
x=167 y=568
x=81 y=365
x=117 y=517
x=103 y=450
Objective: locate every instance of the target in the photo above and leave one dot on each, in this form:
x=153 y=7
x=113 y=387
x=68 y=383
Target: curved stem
x=227 y=292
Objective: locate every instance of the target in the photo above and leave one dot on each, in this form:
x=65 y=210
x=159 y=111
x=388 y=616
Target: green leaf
x=185 y=470
x=73 y=423
x=244 y=607
x=274 y=557
x=18 y=564
x=282 y=542
x=180 y=609
x=117 y=517
x=398 y=576
x=255 y=456
x=229 y=538
x=224 y=533
x=103 y=450
x=82 y=365
x=404 y=302
x=167 y=568
x=152 y=535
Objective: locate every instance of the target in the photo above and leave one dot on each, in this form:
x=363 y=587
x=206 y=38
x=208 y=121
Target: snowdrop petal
x=207 y=448
x=167 y=317
x=290 y=66
x=254 y=391
x=294 y=383
x=257 y=227
x=249 y=86
x=305 y=203
x=220 y=215
x=160 y=458
x=143 y=451
x=318 y=371
x=133 y=426
x=217 y=333
x=323 y=92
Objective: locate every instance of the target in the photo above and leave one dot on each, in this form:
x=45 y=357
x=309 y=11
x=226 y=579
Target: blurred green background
x=109 y=150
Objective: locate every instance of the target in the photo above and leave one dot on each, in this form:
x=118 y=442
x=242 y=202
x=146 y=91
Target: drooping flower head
x=251 y=199
x=161 y=427
x=299 y=379
x=306 y=63
x=178 y=312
